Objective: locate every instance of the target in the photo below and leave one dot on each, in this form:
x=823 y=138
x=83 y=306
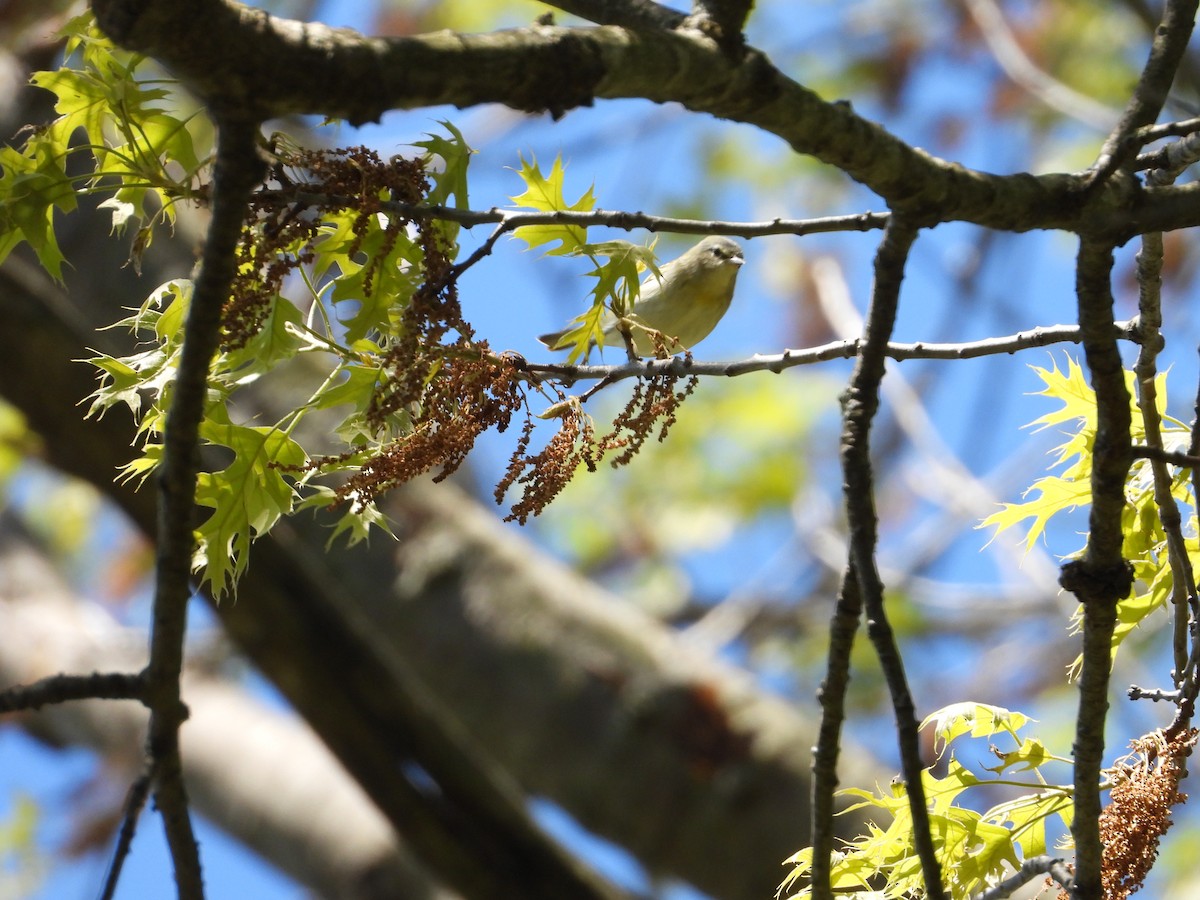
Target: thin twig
x=1170 y=457
x=513 y=219
x=1169 y=160
x=1053 y=866
x=633 y=14
x=1150 y=133
x=62 y=688
x=1154 y=694
x=1171 y=156
x=135 y=802
x=859 y=405
x=778 y=362
x=843 y=627
x=1167 y=50
x=484 y=249
x=1149 y=276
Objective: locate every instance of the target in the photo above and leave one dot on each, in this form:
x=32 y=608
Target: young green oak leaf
x=975 y=849
x=450 y=179
x=1144 y=539
x=355 y=521
x=247 y=497
x=617 y=288
x=546 y=194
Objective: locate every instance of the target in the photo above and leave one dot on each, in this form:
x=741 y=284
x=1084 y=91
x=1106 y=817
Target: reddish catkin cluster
x=469 y=395
x=446 y=387
x=283 y=222
x=653 y=405
x=1145 y=788
x=432 y=328
x=544 y=474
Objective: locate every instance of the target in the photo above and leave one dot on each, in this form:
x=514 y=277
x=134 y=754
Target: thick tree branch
x=1101 y=577
x=1112 y=449
x=246 y=60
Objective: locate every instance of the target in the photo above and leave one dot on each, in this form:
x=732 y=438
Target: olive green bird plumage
x=686 y=303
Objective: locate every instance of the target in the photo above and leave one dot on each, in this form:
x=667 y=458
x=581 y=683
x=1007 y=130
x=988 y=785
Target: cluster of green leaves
x=1145 y=544
x=618 y=264
x=975 y=849
x=147 y=142
x=356 y=267
x=134 y=138
x=357 y=281
x=251 y=492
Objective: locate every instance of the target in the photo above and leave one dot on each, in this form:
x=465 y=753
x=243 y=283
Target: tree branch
x=268 y=67
x=632 y=14
x=61 y=688
x=1170 y=159
x=238 y=169
x=778 y=362
x=1183 y=588
x=859 y=405
x=1101 y=577
x=723 y=21
x=1170 y=44
x=510 y=220
x=1171 y=458
x=1030 y=869
x=843 y=628
x=135 y=802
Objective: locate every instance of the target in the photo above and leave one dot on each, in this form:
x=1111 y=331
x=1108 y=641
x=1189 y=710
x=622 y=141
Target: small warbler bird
x=684 y=305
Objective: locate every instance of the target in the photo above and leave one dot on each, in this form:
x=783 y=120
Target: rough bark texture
x=269 y=67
